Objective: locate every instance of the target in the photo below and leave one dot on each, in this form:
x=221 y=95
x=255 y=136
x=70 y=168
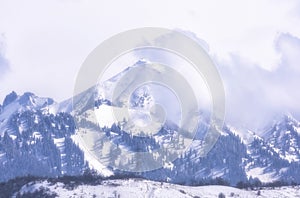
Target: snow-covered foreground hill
x=143 y=188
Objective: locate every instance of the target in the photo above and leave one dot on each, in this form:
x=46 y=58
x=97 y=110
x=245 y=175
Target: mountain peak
x=28 y=101
x=289 y=118
x=141 y=61
x=10 y=98
x=286 y=121
x=27 y=98
x=282 y=121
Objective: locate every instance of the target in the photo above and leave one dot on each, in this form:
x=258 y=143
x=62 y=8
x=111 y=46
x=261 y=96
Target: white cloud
x=288 y=46
x=4 y=64
x=256 y=95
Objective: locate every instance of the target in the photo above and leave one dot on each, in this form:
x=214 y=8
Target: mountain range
x=39 y=137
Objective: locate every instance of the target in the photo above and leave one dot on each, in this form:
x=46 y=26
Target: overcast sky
x=255 y=44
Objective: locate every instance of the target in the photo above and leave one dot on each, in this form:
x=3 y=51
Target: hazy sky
x=255 y=44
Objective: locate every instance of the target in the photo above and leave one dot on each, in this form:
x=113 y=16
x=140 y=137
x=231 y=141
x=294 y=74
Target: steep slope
x=225 y=160
x=264 y=163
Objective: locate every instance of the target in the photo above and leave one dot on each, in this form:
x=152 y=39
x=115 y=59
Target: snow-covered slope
x=284 y=138
x=94 y=113
x=36 y=142
x=26 y=102
x=142 y=188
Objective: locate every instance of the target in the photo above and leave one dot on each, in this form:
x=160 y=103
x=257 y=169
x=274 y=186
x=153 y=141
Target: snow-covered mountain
x=284 y=138
x=233 y=159
x=39 y=137
x=27 y=102
x=35 y=142
x=238 y=155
